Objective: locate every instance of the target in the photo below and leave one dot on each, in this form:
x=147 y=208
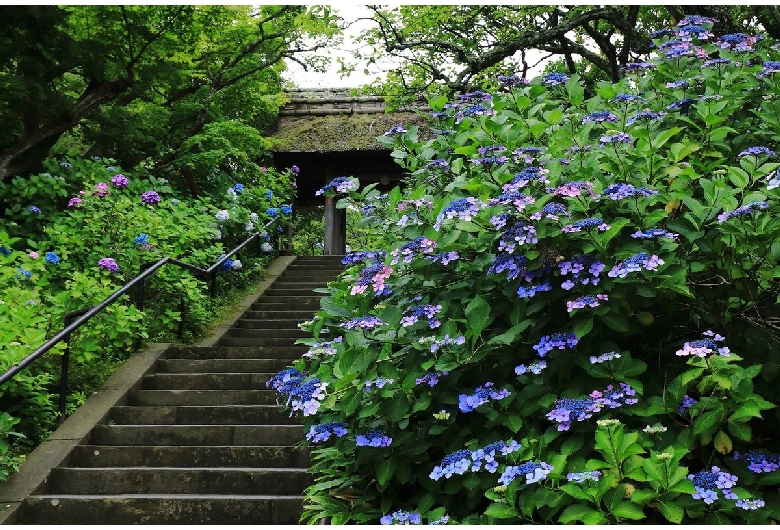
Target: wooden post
x=335 y=227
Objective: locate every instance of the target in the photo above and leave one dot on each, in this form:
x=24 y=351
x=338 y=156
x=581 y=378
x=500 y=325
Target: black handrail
x=86 y=314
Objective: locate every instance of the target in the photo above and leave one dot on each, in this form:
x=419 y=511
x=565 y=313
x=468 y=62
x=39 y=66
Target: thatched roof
x=338 y=132
x=337 y=120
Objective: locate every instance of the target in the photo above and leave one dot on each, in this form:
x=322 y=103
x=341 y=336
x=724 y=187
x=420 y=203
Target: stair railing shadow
x=76 y=319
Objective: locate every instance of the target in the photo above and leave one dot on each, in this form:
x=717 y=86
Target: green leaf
x=396 y=407
x=384 y=471
x=501 y=511
x=576 y=513
x=706 y=421
x=628 y=510
x=477 y=315
x=573 y=490
x=672 y=512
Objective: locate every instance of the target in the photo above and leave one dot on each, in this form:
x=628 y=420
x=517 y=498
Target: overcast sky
x=331 y=79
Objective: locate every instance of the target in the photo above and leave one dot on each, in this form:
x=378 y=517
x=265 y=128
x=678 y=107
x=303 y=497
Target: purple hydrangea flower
x=108 y=264
x=617 y=138
x=520 y=233
x=757 y=150
x=338 y=185
x=150 y=197
x=635 y=264
x=760 y=461
x=620 y=191
x=535 y=368
x=586 y=224
x=703 y=347
x=412 y=314
x=120 y=181
x=579 y=478
x=654 y=233
x=645 y=116
x=398 y=129
x=513 y=265
x=303 y=394
x=604 y=357
x=419 y=245
x=585 y=301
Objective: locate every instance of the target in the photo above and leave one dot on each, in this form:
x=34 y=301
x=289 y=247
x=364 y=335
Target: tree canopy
x=445 y=49
x=147 y=83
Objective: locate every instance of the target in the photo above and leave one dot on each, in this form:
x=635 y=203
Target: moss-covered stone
x=344 y=132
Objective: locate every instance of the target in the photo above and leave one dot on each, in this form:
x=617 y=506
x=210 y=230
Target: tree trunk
x=28 y=155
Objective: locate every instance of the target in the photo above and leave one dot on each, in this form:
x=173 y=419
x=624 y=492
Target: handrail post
x=180 y=333
x=64 y=368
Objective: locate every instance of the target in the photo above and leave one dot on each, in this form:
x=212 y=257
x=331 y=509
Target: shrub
x=75 y=234
x=573 y=315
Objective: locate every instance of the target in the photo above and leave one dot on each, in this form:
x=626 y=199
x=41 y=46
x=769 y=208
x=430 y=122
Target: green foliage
x=571 y=317
x=59 y=226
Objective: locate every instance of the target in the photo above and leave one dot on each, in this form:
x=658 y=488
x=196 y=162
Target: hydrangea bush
x=573 y=311
x=73 y=235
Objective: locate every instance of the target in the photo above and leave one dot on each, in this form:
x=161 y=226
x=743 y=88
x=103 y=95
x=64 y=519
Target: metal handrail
x=86 y=314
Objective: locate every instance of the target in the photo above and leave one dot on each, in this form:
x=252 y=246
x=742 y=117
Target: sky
x=331 y=79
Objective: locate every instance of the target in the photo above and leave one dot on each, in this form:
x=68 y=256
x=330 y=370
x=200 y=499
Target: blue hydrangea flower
x=530 y=291
x=482 y=395
x=35 y=210
x=23 y=274
x=52 y=257
x=686 y=403
x=398 y=129
x=617 y=138
x=760 y=461
x=272 y=212
x=757 y=150
x=365 y=322
x=711 y=343
x=709 y=483
x=142 y=239
x=303 y=394
x=285 y=209
x=514 y=266
x=419 y=245
x=322 y=432
x=401 y=517
x=238 y=188
x=531 y=471
x=620 y=191
x=584 y=476
x=560 y=340
x=535 y=368
x=464 y=209
x=555 y=79
x=600 y=117
x=412 y=314
x=635 y=264
x=373 y=438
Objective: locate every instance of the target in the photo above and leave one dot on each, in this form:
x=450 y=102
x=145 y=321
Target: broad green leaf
x=501 y=511
x=671 y=511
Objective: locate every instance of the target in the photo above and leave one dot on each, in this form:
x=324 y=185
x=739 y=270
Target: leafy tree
x=445 y=49
x=142 y=81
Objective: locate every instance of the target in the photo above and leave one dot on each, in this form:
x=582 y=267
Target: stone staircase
x=201 y=439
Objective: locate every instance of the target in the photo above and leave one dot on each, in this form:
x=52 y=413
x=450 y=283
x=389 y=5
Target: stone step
x=295 y=283
x=207 y=381
x=253 y=435
x=300 y=316
x=177 y=481
x=286 y=351
x=266 y=323
x=197 y=398
x=256 y=341
x=189 y=366
x=163 y=509
x=323 y=277
x=190 y=456
x=281 y=303
x=203 y=415
x=291 y=292
x=290 y=333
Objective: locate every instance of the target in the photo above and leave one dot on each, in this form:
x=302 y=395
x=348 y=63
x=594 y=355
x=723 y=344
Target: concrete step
x=291 y=292
x=191 y=456
x=227 y=435
x=203 y=415
x=286 y=351
x=188 y=366
x=266 y=323
x=282 y=303
x=296 y=283
x=177 y=481
x=207 y=381
x=255 y=341
x=195 y=398
x=290 y=333
x=299 y=316
x=322 y=277
x=163 y=509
